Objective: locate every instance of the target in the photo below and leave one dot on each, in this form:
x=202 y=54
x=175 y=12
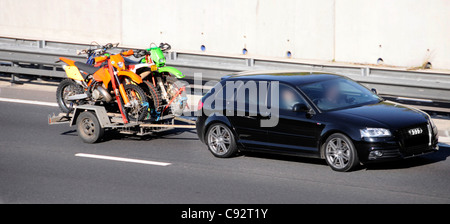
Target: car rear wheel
x=340 y=153
x=220 y=141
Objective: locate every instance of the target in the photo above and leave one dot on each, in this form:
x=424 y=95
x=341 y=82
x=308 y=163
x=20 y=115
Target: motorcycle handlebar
x=99 y=49
x=165 y=46
x=140 y=53
x=110 y=45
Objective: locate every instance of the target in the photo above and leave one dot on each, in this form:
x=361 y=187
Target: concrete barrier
x=401 y=32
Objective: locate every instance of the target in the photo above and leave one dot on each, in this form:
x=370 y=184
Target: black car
x=313 y=114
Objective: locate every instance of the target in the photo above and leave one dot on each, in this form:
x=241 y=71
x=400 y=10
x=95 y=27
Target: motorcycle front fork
x=124 y=94
x=163 y=89
x=126 y=101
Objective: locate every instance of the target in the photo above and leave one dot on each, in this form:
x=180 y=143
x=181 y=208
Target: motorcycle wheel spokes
x=136 y=104
x=69 y=90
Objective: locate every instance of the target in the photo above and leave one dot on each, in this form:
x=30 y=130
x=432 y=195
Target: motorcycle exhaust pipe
x=77 y=97
x=106 y=96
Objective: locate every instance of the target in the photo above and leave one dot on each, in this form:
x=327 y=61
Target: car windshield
x=339 y=93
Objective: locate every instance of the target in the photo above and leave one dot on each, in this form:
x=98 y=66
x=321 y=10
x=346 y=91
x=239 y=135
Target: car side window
x=288 y=97
x=248 y=93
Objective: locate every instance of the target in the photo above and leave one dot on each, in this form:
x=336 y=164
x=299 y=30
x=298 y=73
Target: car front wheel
x=340 y=153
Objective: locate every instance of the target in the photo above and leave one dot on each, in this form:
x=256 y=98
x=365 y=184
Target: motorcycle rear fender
x=172 y=71
x=136 y=78
x=67 y=61
x=72 y=72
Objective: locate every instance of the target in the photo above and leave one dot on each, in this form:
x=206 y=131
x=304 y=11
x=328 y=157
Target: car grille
x=414 y=143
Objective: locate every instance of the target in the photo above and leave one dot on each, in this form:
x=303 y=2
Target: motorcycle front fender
x=136 y=78
x=172 y=71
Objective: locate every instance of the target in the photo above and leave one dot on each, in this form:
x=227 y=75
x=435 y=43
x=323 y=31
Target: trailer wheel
x=88 y=127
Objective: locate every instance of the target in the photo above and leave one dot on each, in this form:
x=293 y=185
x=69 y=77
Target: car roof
x=294 y=77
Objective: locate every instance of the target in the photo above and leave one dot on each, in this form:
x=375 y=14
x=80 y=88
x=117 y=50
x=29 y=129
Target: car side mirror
x=300 y=107
x=374 y=91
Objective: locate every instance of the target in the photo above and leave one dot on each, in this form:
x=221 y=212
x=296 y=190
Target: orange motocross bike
x=87 y=84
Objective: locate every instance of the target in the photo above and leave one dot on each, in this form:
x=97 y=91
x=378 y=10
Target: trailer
x=93 y=121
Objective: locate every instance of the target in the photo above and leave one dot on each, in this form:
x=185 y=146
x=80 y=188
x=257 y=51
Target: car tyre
x=340 y=153
x=221 y=141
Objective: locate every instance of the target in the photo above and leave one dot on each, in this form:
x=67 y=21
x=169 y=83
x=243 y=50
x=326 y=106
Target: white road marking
x=34 y=102
x=122 y=159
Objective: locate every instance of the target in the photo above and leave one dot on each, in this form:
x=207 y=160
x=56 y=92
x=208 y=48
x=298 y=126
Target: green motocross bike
x=163 y=87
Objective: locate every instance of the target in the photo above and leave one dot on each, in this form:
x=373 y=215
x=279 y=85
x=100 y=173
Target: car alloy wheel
x=340 y=153
x=220 y=141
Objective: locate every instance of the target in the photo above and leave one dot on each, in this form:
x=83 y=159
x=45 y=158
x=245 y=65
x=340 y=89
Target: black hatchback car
x=312 y=114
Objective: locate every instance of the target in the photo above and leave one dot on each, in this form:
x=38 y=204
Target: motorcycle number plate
x=73 y=73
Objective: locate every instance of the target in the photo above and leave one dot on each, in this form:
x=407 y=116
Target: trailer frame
x=113 y=121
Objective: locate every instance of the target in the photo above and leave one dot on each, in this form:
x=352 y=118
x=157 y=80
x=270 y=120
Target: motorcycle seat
x=130 y=62
x=86 y=68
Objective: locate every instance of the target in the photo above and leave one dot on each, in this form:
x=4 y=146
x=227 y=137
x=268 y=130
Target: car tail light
x=200 y=105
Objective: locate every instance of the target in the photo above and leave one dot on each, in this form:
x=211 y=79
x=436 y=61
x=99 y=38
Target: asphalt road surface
x=38 y=164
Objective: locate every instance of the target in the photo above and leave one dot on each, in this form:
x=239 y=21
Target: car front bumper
x=382 y=149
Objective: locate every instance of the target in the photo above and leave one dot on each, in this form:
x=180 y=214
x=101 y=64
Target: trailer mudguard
x=172 y=71
x=99 y=111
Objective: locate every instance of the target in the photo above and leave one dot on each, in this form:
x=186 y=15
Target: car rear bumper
x=200 y=126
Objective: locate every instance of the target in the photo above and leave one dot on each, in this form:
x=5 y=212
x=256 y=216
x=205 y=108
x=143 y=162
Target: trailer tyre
x=88 y=127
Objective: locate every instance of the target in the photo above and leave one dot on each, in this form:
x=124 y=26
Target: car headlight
x=431 y=122
x=433 y=126
x=375 y=132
